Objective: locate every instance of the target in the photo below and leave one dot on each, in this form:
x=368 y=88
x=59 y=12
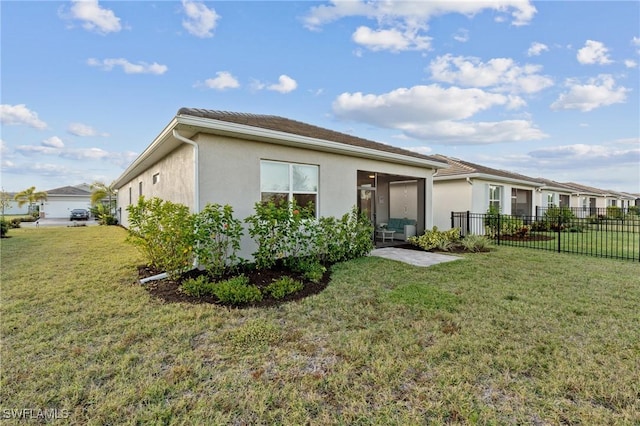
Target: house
x=60 y=201
x=205 y=156
x=466 y=186
x=552 y=194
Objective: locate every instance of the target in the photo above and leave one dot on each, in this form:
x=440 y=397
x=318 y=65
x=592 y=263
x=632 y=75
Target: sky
x=546 y=89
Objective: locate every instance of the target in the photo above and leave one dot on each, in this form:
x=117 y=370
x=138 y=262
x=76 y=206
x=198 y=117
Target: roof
x=588 y=190
x=190 y=122
x=460 y=169
x=286 y=125
x=68 y=190
x=552 y=184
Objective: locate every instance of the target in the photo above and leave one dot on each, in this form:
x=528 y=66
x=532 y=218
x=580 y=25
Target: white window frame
x=500 y=192
x=291 y=192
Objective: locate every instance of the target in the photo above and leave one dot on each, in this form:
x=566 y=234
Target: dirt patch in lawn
x=170 y=291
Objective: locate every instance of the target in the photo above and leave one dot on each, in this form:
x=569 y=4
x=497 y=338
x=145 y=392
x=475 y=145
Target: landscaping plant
x=443 y=240
x=163 y=231
x=217 y=238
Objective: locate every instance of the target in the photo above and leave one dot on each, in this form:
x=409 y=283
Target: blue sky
x=548 y=89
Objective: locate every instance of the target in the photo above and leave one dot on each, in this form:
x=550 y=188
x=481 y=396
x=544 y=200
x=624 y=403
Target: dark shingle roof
x=286 y=125
x=67 y=190
x=460 y=168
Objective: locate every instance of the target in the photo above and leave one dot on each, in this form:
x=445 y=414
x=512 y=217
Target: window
x=495 y=197
x=550 y=201
x=156 y=178
x=283 y=182
x=139 y=189
x=564 y=200
x=613 y=203
x=130 y=196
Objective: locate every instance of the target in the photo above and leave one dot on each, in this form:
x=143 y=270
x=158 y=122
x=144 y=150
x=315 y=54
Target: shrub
x=198 y=287
x=562 y=214
x=163 y=231
x=236 y=291
x=4 y=228
x=15 y=223
x=475 y=243
x=217 y=238
x=634 y=210
x=283 y=287
x=314 y=272
x=346 y=238
x=614 y=212
x=496 y=223
x=436 y=239
x=292 y=234
x=279 y=231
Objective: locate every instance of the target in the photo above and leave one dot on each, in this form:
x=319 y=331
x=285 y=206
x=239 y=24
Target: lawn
x=514 y=336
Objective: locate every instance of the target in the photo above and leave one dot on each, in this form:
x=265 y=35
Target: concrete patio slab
x=413 y=257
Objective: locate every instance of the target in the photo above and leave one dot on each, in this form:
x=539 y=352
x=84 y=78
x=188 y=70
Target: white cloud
x=462 y=35
x=636 y=42
x=597 y=92
x=425 y=150
x=53 y=142
x=593 y=52
x=223 y=80
x=436 y=114
x=285 y=84
x=80 y=129
x=20 y=114
x=537 y=48
x=630 y=63
x=414 y=14
x=128 y=67
x=401 y=24
x=94 y=17
x=503 y=74
x=201 y=20
x=390 y=39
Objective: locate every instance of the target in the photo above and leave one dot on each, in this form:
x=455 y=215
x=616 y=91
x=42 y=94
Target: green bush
x=442 y=240
x=314 y=272
x=283 y=287
x=217 y=238
x=237 y=291
x=292 y=234
x=634 y=210
x=198 y=287
x=15 y=223
x=496 y=223
x=4 y=228
x=614 y=212
x=163 y=231
x=476 y=243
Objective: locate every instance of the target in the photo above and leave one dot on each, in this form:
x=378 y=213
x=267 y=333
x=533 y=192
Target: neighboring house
x=552 y=194
x=205 y=156
x=466 y=186
x=13 y=208
x=60 y=201
x=589 y=201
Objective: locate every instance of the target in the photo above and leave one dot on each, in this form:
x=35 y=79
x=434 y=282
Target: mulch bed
x=170 y=291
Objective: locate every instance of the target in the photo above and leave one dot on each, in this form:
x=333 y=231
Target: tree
x=5 y=201
x=31 y=196
x=100 y=191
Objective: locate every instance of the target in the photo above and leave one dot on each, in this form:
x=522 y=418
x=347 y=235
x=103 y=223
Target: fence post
x=468 y=228
x=559 y=231
x=498 y=230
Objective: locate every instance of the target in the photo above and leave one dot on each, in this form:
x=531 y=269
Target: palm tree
x=100 y=191
x=31 y=196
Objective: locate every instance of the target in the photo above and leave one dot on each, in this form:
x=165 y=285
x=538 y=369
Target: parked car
x=79 y=214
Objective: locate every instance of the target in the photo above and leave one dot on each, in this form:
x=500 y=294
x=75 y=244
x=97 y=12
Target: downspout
x=196 y=197
x=196 y=180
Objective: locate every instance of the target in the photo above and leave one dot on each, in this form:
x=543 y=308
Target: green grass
x=613 y=244
x=508 y=337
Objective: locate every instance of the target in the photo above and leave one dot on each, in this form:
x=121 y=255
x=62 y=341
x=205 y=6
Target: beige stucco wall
x=175 y=182
x=448 y=196
x=403 y=199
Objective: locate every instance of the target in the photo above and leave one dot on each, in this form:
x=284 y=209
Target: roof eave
x=484 y=176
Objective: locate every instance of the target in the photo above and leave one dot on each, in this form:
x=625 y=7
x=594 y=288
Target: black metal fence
x=559 y=229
